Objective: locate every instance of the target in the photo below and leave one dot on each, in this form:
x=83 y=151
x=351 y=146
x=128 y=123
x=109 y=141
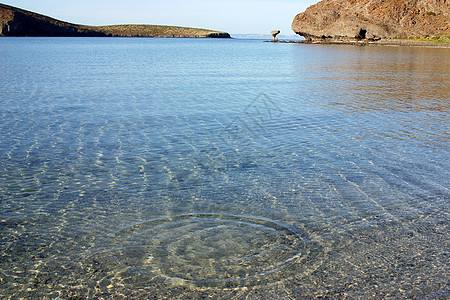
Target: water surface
x=225 y=168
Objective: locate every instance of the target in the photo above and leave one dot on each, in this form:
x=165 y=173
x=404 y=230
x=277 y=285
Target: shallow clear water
x=223 y=168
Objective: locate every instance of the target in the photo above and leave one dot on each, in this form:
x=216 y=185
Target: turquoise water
x=180 y=168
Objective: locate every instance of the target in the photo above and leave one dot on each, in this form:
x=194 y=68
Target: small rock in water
x=274 y=33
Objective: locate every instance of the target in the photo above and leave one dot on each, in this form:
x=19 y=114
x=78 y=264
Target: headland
x=18 y=22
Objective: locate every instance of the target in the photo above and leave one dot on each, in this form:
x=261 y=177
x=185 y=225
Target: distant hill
x=18 y=22
x=373 y=19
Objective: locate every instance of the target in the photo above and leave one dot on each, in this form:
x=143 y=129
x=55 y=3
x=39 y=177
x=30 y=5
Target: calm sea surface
x=179 y=168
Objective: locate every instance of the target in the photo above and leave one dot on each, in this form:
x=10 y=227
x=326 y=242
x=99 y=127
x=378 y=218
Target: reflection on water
x=196 y=168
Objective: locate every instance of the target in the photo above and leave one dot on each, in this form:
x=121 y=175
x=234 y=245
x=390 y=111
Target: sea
x=138 y=168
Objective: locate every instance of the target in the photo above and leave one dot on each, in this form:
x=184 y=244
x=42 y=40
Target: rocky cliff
x=18 y=22
x=373 y=19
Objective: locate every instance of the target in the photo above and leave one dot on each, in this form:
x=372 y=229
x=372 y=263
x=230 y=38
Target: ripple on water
x=206 y=249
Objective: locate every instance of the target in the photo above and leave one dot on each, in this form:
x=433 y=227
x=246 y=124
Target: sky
x=232 y=16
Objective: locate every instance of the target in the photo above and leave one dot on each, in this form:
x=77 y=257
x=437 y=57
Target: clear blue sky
x=233 y=16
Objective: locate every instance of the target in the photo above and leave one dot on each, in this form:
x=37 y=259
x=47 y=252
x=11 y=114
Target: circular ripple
x=206 y=248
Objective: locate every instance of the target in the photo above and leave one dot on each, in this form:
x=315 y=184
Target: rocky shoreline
x=387 y=42
x=391 y=22
x=409 y=43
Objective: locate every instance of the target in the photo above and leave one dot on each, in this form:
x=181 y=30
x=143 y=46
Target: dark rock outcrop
x=219 y=35
x=353 y=20
x=19 y=22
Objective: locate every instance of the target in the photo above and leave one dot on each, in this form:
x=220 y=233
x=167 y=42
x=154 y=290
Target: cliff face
x=373 y=19
x=18 y=22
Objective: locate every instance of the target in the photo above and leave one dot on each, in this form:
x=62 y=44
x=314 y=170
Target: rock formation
x=18 y=22
x=274 y=33
x=350 y=20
